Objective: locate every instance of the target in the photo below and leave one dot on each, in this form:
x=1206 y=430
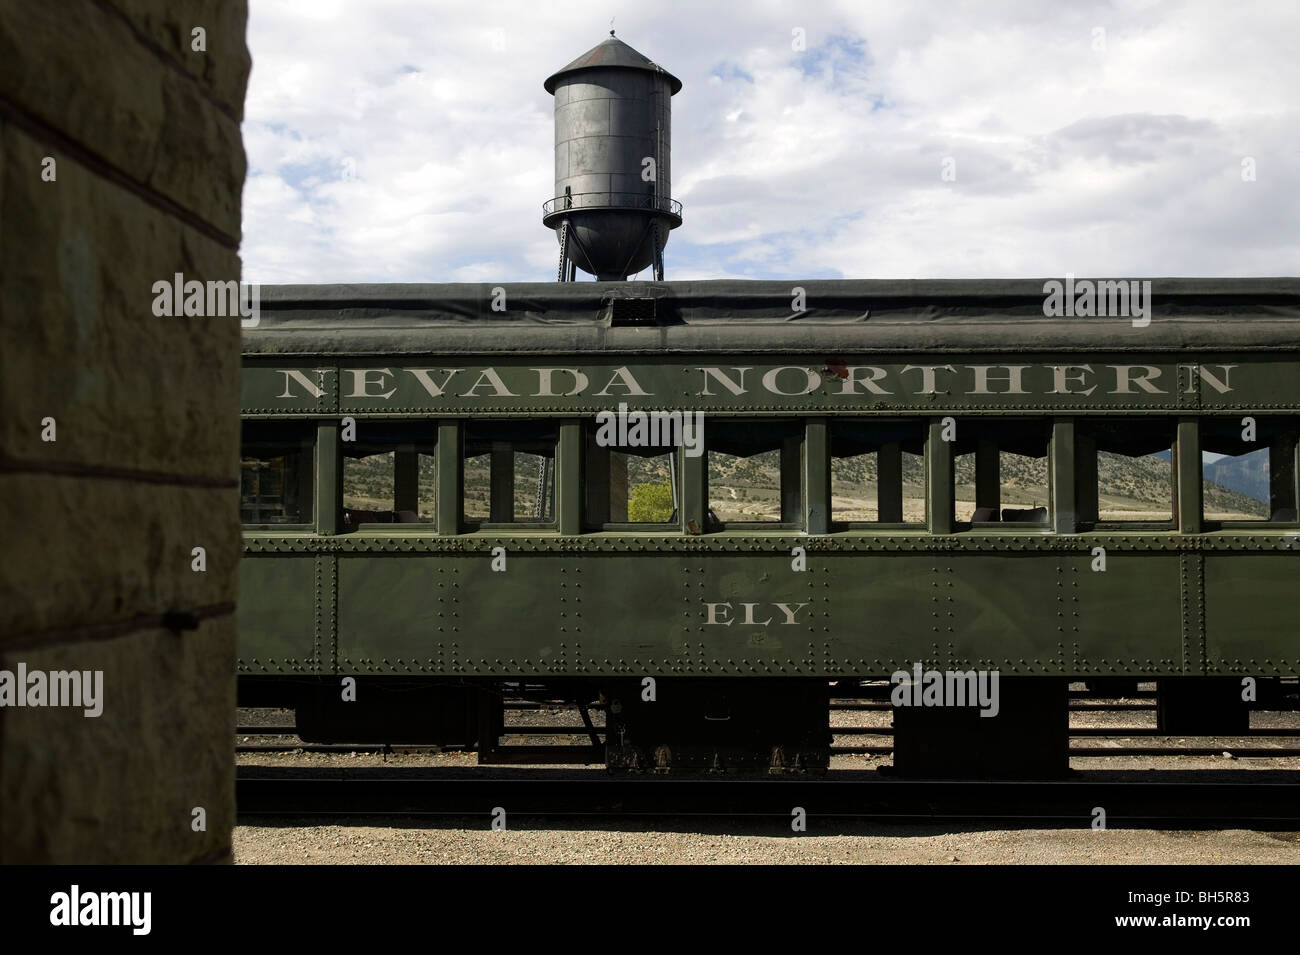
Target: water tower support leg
x=562 y=272
x=571 y=236
x=659 y=255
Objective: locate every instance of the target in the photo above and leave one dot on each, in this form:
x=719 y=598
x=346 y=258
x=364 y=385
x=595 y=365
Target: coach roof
x=851 y=316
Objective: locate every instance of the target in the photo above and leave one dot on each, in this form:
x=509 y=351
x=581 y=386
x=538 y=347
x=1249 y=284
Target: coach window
x=753 y=473
x=390 y=474
x=509 y=473
x=628 y=484
x=1001 y=470
x=275 y=473
x=877 y=472
x=1248 y=468
x=1125 y=472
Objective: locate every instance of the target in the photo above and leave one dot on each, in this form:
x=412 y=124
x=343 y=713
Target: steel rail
x=1126 y=804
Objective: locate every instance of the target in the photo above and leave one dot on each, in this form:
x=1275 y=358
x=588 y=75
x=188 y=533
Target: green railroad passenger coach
x=702 y=503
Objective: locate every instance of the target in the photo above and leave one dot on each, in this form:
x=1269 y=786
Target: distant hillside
x=1247 y=475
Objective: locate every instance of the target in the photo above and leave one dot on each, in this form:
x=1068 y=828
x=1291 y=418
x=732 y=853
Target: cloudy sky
x=411 y=141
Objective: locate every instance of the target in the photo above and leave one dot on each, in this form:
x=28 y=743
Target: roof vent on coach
x=623 y=311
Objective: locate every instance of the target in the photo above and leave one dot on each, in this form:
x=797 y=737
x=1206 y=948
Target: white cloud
x=412 y=142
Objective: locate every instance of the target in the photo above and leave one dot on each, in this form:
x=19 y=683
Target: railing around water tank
x=611 y=200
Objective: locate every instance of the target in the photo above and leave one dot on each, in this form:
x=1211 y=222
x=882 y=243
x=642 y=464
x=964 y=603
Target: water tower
x=612 y=208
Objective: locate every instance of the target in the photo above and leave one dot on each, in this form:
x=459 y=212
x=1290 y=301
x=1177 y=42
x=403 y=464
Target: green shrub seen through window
x=650 y=503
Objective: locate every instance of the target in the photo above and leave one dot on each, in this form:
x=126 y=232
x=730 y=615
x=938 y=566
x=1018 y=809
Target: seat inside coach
x=355 y=516
x=1030 y=515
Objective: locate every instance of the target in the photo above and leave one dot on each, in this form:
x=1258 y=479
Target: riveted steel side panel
x=1129 y=616
x=621 y=613
x=1033 y=614
x=277 y=615
x=396 y=614
x=998 y=612
x=881 y=615
x=1249 y=628
x=1019 y=613
x=864 y=606
x=512 y=623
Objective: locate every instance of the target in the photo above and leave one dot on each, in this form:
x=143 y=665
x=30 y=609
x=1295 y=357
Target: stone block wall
x=121 y=165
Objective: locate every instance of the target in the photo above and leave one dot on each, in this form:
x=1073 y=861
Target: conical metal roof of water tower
x=612 y=207
x=612 y=53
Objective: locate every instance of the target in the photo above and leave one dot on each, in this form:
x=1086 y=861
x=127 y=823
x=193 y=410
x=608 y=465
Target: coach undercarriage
x=776 y=726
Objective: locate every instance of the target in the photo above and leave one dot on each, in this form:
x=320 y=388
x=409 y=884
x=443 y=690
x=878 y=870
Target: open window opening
x=390 y=474
x=753 y=472
x=1002 y=471
x=276 y=473
x=628 y=485
x=877 y=472
x=1248 y=468
x=1126 y=471
x=509 y=472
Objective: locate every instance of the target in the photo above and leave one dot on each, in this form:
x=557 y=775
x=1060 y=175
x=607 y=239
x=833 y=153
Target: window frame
x=428 y=440
x=470 y=525
x=673 y=525
x=712 y=523
x=1210 y=524
x=837 y=526
x=1086 y=428
x=1084 y=432
x=1047 y=422
x=308 y=445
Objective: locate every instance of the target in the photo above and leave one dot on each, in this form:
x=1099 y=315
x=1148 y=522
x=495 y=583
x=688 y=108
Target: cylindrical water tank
x=613 y=122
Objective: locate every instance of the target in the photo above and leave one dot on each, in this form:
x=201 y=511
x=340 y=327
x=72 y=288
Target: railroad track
x=840 y=795
x=1259 y=800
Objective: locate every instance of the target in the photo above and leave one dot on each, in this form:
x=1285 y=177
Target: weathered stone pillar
x=121 y=167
